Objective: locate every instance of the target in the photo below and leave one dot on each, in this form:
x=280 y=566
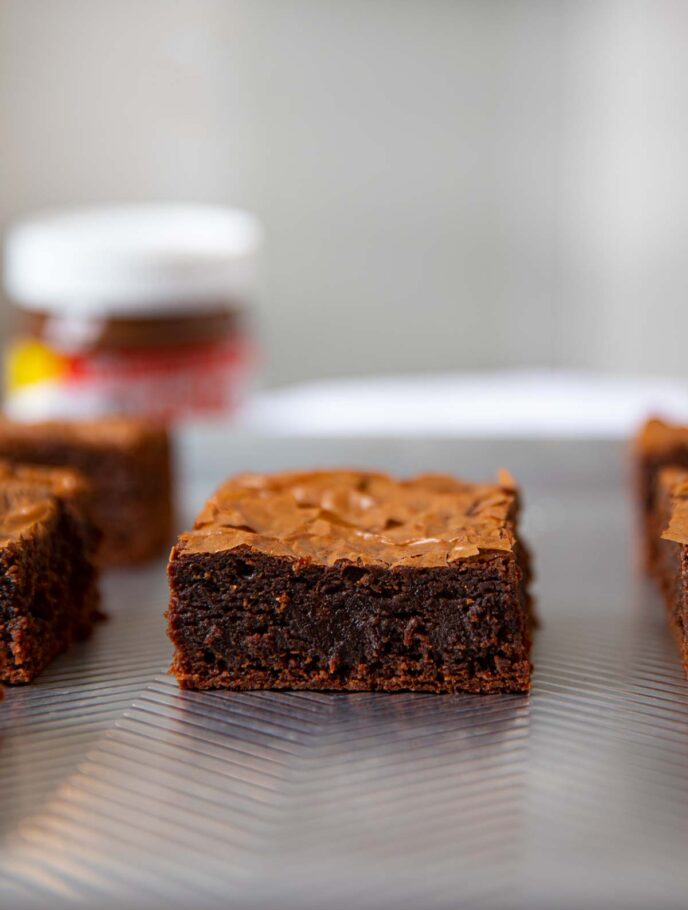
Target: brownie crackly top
x=62 y=482
x=22 y=511
x=364 y=517
x=673 y=482
x=658 y=437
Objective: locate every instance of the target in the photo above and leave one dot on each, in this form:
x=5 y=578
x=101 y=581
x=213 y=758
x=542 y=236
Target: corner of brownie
x=127 y=462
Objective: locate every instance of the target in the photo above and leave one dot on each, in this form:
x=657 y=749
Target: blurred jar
x=138 y=310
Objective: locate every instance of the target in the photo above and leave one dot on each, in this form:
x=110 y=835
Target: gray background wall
x=444 y=184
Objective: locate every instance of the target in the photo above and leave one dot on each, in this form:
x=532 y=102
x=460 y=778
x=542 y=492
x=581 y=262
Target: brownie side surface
x=128 y=465
x=48 y=590
x=670 y=566
x=657 y=445
x=386 y=618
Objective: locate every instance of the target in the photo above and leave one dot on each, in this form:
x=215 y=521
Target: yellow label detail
x=31 y=361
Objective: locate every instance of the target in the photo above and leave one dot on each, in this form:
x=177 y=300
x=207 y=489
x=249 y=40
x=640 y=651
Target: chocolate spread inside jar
x=141 y=311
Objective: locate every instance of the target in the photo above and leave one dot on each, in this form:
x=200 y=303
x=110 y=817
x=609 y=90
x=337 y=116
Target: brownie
x=127 y=464
x=657 y=445
x=48 y=582
x=67 y=484
x=351 y=580
x=670 y=565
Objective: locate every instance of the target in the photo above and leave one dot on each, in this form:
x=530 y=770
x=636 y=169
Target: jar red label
x=170 y=382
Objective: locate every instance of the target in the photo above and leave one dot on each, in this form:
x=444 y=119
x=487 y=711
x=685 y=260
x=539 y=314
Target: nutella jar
x=131 y=310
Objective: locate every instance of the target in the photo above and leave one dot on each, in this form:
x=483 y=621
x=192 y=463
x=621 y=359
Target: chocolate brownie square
x=48 y=583
x=127 y=463
x=352 y=580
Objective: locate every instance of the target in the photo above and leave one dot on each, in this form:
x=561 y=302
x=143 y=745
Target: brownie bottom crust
x=248 y=620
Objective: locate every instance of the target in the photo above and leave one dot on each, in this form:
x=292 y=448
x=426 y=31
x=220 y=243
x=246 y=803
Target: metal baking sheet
x=117 y=789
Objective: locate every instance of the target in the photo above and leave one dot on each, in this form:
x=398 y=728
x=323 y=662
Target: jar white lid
x=133 y=259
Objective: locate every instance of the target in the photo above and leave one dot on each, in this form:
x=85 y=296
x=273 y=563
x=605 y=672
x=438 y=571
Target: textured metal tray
x=117 y=789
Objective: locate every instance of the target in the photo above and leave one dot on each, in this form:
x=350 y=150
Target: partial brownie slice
x=48 y=590
x=352 y=580
x=127 y=463
x=68 y=485
x=657 y=445
x=671 y=560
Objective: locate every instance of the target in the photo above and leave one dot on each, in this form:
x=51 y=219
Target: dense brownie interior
x=250 y=621
x=48 y=591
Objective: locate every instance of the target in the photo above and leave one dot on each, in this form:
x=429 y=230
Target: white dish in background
x=503 y=403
